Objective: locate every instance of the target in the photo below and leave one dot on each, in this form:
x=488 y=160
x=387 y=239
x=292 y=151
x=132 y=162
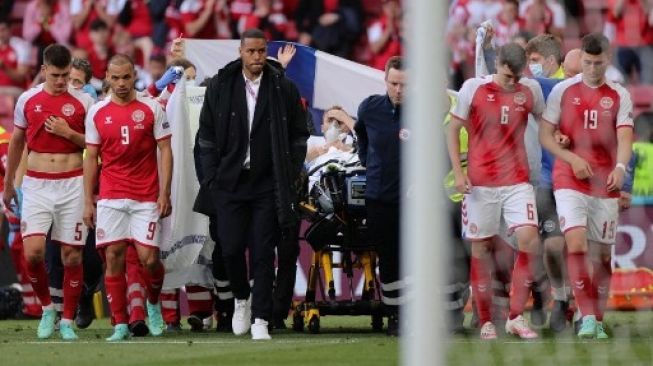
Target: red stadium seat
x=595 y=4
x=570 y=43
x=7 y=112
x=642 y=95
x=371 y=8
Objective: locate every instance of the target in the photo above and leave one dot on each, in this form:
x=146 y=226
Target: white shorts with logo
x=599 y=216
x=122 y=220
x=54 y=201
x=484 y=209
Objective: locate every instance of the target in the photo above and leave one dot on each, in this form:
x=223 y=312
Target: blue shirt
x=377 y=130
x=547 y=158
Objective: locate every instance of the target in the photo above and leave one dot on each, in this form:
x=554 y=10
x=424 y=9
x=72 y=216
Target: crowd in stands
x=627 y=23
x=368 y=31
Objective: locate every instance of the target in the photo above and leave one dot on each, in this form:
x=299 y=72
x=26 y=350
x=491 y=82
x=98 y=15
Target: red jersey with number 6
x=590 y=117
x=127 y=139
x=496 y=120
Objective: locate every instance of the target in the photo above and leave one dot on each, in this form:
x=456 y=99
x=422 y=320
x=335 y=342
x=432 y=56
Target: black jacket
x=287 y=130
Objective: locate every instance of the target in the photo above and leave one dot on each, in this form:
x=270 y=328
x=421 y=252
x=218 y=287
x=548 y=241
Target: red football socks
x=481 y=277
x=601 y=279
x=522 y=280
x=154 y=282
x=116 y=287
x=200 y=300
x=581 y=283
x=38 y=277
x=73 y=283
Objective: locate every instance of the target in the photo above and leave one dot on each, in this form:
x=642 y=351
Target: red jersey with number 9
x=496 y=120
x=590 y=117
x=127 y=138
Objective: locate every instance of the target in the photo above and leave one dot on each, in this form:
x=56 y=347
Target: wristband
x=621 y=166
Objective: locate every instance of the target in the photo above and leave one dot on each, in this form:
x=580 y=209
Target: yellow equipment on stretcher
x=335 y=208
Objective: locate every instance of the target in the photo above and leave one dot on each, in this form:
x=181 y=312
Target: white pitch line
x=285 y=341
x=562 y=341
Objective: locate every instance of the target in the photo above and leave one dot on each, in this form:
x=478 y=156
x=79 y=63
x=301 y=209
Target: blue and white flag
x=323 y=80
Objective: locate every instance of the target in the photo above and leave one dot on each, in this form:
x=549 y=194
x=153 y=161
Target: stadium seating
x=7 y=112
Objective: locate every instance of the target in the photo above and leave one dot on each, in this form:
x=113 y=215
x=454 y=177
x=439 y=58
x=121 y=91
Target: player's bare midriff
x=53 y=162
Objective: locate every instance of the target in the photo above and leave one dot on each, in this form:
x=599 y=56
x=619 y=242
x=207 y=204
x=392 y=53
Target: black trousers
x=247 y=219
x=224 y=302
x=456 y=289
x=383 y=228
x=284 y=285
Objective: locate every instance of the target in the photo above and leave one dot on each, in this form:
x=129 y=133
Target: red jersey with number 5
x=590 y=117
x=496 y=120
x=127 y=139
x=36 y=105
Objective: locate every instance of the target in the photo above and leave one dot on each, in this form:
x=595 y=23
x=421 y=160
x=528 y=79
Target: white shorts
x=125 y=220
x=54 y=201
x=597 y=215
x=484 y=208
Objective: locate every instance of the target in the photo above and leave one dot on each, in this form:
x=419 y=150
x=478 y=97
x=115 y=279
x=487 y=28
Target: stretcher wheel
x=314 y=324
x=297 y=321
x=377 y=323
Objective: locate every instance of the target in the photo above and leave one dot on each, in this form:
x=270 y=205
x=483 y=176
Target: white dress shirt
x=251 y=93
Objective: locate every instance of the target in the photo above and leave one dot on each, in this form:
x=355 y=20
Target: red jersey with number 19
x=590 y=117
x=127 y=138
x=496 y=120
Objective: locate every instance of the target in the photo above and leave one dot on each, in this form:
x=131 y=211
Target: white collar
x=256 y=81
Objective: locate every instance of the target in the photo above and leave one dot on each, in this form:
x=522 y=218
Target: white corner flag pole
x=425 y=227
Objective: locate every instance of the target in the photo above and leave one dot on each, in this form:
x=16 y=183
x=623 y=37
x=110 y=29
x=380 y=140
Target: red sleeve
x=154 y=92
x=188 y=17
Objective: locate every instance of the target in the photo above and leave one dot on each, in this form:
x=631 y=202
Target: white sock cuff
x=560 y=293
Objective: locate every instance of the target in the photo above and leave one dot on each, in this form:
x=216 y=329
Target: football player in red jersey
x=50 y=119
x=596 y=114
x=125 y=131
x=495 y=110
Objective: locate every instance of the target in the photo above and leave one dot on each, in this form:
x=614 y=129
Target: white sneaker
x=207 y=323
x=488 y=331
x=519 y=327
x=242 y=318
x=260 y=330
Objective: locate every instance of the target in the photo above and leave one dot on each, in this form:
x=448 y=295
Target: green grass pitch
x=343 y=341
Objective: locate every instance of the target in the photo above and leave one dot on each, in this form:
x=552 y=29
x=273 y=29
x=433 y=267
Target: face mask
x=191 y=82
x=536 y=70
x=90 y=90
x=333 y=133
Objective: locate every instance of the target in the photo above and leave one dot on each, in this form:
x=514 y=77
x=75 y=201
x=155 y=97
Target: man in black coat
x=252 y=139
